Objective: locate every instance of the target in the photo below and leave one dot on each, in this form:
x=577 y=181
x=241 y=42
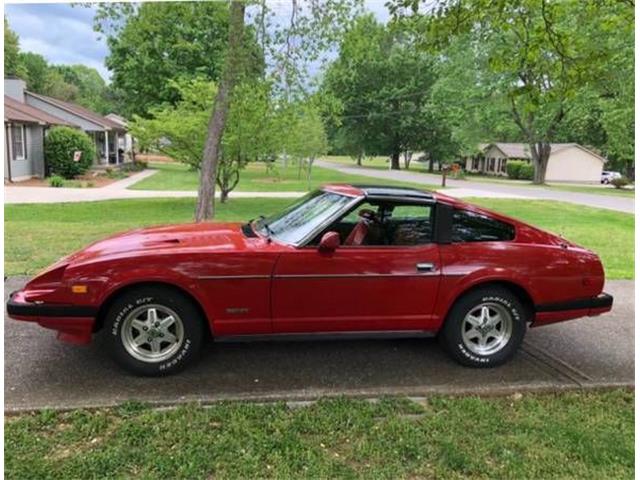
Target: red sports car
x=345 y=258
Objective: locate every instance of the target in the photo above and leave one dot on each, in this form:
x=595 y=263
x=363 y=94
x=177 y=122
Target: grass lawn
x=254 y=178
x=595 y=190
x=569 y=435
x=37 y=235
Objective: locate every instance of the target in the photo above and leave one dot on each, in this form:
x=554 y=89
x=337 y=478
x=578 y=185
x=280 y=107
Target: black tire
x=188 y=331
x=493 y=297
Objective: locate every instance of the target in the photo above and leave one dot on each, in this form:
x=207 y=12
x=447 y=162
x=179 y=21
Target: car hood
x=215 y=237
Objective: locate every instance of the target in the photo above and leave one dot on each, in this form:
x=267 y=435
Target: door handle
x=425 y=267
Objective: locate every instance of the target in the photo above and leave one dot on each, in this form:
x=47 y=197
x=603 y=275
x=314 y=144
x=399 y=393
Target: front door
x=387 y=282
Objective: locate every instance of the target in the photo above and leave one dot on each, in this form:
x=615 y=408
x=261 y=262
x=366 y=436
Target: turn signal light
x=79 y=288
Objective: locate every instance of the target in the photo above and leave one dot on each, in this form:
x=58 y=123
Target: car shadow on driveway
x=42 y=372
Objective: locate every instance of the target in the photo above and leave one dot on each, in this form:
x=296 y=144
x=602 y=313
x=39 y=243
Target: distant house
x=25 y=128
x=568 y=162
x=108 y=134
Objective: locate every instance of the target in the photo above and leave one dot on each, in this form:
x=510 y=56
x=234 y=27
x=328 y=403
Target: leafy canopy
x=383 y=86
x=159 y=44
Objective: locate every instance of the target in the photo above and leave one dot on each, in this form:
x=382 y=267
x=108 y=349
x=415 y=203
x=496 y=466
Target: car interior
x=383 y=224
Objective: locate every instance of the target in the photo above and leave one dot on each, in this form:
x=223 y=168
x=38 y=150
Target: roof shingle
x=21 y=112
x=79 y=111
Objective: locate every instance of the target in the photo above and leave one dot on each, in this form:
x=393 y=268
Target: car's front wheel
x=154 y=331
x=485 y=327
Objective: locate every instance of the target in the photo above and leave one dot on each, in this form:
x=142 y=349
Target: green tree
x=532 y=58
x=90 y=90
x=37 y=70
x=309 y=31
x=305 y=139
x=161 y=42
x=384 y=84
x=12 y=64
x=180 y=131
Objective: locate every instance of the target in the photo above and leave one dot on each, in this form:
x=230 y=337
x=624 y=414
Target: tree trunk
x=309 y=169
x=359 y=158
x=208 y=169
x=395 y=161
x=540 y=152
x=431 y=163
x=407 y=159
x=224 y=194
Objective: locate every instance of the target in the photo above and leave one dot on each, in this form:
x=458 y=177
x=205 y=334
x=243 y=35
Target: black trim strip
x=49 y=310
x=601 y=301
x=443 y=222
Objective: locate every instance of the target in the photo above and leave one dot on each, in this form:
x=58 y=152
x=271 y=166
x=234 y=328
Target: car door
x=373 y=287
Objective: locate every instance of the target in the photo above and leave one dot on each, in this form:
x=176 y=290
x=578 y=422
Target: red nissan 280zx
x=342 y=259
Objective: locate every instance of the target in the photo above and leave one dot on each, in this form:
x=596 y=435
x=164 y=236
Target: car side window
x=408 y=225
x=473 y=227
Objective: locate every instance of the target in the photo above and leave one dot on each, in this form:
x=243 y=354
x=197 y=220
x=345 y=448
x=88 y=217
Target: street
x=41 y=372
x=609 y=202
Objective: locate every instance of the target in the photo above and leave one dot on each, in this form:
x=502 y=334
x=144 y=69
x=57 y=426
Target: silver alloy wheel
x=152 y=333
x=487 y=328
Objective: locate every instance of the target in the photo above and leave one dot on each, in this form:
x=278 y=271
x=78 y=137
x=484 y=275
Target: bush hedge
x=513 y=168
x=526 y=172
x=520 y=170
x=620 y=182
x=59 y=147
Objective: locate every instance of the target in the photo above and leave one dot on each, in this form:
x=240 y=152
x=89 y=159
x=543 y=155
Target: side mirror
x=329 y=242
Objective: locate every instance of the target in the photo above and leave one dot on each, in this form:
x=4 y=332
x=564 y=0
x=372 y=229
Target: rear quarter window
x=473 y=227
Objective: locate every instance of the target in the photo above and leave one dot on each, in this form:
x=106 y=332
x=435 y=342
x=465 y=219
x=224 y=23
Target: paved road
x=610 y=202
x=42 y=372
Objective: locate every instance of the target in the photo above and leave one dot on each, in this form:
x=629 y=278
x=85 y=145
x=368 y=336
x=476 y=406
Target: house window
x=18 y=142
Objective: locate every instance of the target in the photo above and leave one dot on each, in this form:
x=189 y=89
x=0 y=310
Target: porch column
x=106 y=147
x=117 y=148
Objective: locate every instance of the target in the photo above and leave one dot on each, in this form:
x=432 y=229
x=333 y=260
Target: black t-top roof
x=396 y=192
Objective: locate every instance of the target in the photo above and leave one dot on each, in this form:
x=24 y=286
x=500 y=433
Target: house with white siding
x=568 y=162
x=109 y=135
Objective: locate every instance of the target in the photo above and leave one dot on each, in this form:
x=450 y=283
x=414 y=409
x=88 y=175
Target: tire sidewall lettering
x=115 y=329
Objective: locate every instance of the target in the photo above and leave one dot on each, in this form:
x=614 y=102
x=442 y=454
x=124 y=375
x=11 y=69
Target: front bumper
x=74 y=323
x=587 y=307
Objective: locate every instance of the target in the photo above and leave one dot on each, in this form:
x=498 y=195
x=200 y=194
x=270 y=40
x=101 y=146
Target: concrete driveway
x=41 y=372
x=610 y=202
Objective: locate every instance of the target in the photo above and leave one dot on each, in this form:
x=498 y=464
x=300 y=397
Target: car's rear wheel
x=154 y=331
x=485 y=327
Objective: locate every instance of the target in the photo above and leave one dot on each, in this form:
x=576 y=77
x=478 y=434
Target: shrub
x=115 y=174
x=135 y=166
x=526 y=172
x=56 y=181
x=514 y=167
x=620 y=182
x=59 y=147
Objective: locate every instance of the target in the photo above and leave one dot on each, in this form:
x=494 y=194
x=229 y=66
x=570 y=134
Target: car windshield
x=302 y=218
